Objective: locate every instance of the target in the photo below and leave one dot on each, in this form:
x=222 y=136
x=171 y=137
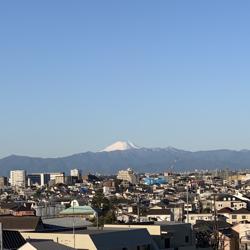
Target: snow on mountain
x=120 y=146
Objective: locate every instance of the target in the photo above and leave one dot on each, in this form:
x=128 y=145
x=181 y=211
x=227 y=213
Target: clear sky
x=79 y=75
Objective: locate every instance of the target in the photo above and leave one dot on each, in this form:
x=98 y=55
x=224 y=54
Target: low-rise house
x=177 y=211
x=243 y=230
x=228 y=239
x=226 y=200
x=23 y=211
x=205 y=232
x=156 y=214
x=166 y=235
x=194 y=217
x=235 y=216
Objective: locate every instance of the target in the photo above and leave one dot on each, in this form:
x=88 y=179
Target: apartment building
x=18 y=178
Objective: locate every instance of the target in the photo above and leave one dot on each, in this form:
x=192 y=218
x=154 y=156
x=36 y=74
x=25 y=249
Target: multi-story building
x=18 y=178
x=235 y=216
x=226 y=200
x=75 y=172
x=127 y=175
x=3 y=181
x=39 y=179
x=57 y=177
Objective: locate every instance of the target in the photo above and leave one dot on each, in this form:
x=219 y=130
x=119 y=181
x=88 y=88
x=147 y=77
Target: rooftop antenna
x=138 y=208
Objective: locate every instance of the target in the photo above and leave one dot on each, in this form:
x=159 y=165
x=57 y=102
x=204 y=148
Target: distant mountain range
x=121 y=155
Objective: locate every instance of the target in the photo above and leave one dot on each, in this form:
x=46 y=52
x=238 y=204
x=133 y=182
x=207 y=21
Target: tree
x=100 y=202
x=105 y=209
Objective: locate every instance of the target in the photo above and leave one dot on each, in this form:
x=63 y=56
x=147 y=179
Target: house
x=205 y=231
x=23 y=211
x=16 y=209
x=156 y=214
x=194 y=217
x=235 y=216
x=228 y=239
x=166 y=235
x=243 y=230
x=230 y=201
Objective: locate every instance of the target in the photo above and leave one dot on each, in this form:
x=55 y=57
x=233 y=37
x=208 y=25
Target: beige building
x=235 y=216
x=243 y=230
x=106 y=239
x=166 y=235
x=127 y=175
x=230 y=201
x=192 y=218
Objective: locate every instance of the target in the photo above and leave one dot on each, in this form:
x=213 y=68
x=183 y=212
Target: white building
x=127 y=175
x=18 y=178
x=75 y=172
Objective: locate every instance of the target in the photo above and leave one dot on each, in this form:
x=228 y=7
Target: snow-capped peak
x=120 y=145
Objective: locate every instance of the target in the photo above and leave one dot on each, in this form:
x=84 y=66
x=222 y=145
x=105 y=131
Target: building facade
x=18 y=178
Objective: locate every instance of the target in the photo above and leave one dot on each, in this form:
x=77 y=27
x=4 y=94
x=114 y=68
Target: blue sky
x=79 y=75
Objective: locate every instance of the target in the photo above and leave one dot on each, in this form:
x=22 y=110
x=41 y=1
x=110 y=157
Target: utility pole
x=97 y=220
x=74 y=235
x=216 y=231
x=138 y=208
x=1 y=236
x=187 y=205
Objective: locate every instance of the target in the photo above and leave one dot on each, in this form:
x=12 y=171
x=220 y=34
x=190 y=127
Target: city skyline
x=78 y=77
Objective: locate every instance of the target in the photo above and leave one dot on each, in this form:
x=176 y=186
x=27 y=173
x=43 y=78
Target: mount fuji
x=120 y=146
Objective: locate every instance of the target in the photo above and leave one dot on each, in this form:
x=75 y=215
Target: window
x=186 y=239
x=234 y=217
x=243 y=217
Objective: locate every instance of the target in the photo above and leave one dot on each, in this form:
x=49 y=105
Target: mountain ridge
x=140 y=159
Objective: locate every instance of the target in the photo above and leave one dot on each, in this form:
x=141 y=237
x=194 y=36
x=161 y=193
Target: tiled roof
x=241 y=211
x=225 y=210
